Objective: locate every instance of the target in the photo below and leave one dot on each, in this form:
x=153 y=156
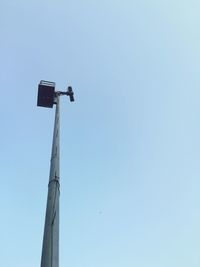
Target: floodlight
x=46 y=94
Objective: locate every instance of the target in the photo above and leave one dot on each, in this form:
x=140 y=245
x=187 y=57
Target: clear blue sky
x=130 y=149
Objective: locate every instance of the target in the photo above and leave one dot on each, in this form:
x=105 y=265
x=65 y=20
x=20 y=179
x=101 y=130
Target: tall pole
x=50 y=249
x=47 y=97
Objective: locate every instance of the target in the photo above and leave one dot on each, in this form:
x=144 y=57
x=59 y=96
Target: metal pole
x=50 y=249
x=47 y=97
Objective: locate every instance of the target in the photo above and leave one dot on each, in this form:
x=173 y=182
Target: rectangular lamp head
x=46 y=94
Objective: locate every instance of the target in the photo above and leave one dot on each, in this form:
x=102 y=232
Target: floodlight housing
x=46 y=94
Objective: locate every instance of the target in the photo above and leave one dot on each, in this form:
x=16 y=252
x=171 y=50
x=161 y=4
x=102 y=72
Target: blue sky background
x=129 y=144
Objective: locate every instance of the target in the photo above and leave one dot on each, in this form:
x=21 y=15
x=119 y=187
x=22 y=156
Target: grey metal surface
x=50 y=248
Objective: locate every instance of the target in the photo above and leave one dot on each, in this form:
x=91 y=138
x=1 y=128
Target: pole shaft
x=50 y=248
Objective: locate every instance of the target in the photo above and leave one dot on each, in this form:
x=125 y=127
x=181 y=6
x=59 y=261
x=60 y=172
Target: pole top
x=47 y=94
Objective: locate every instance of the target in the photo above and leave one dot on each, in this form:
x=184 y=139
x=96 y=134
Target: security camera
x=70 y=93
